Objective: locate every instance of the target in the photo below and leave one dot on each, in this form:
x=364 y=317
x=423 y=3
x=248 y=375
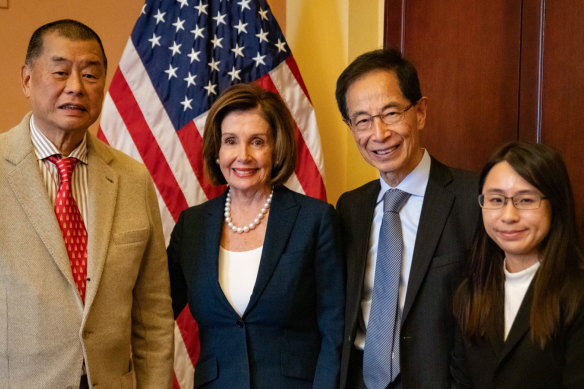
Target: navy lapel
x=282 y=217
x=211 y=230
x=435 y=210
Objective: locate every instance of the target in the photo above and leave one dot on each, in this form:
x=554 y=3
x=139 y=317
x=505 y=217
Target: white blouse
x=238 y=271
x=516 y=285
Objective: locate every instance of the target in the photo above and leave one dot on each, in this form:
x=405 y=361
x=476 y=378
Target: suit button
x=240 y=323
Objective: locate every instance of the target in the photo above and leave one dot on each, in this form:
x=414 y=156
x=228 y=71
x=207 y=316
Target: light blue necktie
x=381 y=354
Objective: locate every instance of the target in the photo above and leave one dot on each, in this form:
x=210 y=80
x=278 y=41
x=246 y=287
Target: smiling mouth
x=244 y=172
x=386 y=151
x=72 y=107
x=511 y=234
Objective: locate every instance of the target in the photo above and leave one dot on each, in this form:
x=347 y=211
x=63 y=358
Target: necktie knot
x=65 y=166
x=394 y=200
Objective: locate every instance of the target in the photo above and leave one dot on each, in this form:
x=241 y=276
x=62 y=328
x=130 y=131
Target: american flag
x=180 y=56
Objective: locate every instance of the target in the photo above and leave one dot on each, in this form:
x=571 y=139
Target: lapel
x=362 y=216
x=435 y=210
x=26 y=183
x=102 y=185
x=495 y=334
x=520 y=326
x=283 y=213
x=211 y=231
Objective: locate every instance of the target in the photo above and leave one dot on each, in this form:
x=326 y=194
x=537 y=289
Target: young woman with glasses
x=520 y=308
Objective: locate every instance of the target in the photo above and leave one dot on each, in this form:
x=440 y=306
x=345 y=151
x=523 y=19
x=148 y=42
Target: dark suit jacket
x=290 y=335
x=447 y=223
x=518 y=362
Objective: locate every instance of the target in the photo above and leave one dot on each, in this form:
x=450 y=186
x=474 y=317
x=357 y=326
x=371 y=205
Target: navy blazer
x=447 y=223
x=291 y=332
x=518 y=362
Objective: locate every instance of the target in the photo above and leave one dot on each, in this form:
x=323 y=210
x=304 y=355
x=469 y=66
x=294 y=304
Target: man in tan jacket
x=84 y=289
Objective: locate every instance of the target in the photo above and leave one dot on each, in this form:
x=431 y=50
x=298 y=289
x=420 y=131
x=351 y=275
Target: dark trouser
x=355 y=373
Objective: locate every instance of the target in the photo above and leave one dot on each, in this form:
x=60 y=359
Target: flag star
x=244 y=4
x=175 y=48
x=220 y=18
x=198 y=31
x=241 y=27
x=259 y=59
x=190 y=79
x=216 y=42
x=280 y=46
x=143 y=12
x=210 y=88
x=182 y=3
x=234 y=73
x=263 y=14
x=155 y=40
x=238 y=50
x=179 y=24
x=186 y=103
x=159 y=17
x=171 y=71
x=214 y=64
x=262 y=35
x=202 y=8
x=194 y=55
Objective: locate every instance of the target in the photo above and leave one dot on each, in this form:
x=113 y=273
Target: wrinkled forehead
x=57 y=47
x=376 y=89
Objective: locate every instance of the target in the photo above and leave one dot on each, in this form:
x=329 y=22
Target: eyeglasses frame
x=505 y=200
x=349 y=123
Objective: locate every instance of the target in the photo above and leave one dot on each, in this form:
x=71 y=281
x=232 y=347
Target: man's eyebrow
x=392 y=104
x=91 y=63
x=59 y=59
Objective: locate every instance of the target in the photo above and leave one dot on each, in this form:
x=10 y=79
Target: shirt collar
x=415 y=183
x=44 y=148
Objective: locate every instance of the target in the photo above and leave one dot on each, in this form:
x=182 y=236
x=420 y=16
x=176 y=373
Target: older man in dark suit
x=403 y=262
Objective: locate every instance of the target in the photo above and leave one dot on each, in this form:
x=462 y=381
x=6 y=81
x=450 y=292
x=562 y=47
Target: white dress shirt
x=415 y=184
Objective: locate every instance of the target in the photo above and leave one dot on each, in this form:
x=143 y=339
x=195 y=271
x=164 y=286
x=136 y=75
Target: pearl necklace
x=251 y=225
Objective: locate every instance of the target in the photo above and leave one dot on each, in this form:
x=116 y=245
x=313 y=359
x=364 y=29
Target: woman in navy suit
x=260 y=267
x=521 y=307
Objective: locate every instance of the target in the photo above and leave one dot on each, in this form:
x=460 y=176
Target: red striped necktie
x=71 y=222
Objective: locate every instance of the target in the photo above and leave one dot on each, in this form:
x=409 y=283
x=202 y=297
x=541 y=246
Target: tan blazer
x=126 y=324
